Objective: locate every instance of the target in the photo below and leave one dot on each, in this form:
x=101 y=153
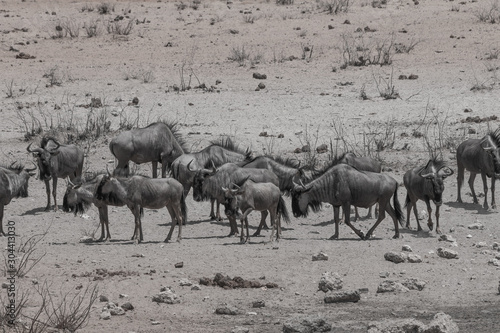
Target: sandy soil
x=308 y=98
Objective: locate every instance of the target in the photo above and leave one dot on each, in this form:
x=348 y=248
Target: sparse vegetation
x=105 y=8
x=54 y=76
x=284 y=2
x=93 y=28
x=406 y=48
x=356 y=53
x=249 y=18
x=385 y=87
x=489 y=13
x=10 y=88
x=240 y=55
x=120 y=27
x=334 y=6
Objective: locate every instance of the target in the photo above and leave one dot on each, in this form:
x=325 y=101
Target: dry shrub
x=239 y=54
x=489 y=13
x=334 y=6
x=105 y=8
x=284 y=2
x=93 y=28
x=120 y=28
x=355 y=52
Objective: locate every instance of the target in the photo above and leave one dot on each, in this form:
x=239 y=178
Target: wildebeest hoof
x=396 y=236
x=336 y=236
x=257 y=233
x=438 y=231
x=363 y=237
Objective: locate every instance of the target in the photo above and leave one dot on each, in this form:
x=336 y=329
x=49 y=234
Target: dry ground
x=310 y=100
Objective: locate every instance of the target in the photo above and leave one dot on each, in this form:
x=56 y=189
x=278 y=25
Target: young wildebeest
x=425 y=183
x=13 y=184
x=82 y=193
x=142 y=192
x=343 y=185
x=208 y=184
x=256 y=196
x=158 y=142
x=480 y=156
x=57 y=161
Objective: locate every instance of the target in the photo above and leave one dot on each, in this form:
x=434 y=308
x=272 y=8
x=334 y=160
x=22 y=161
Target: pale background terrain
x=307 y=99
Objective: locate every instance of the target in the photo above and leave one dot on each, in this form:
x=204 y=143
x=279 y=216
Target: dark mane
x=111 y=197
x=227 y=143
x=495 y=136
x=315 y=174
x=313 y=204
x=173 y=126
x=291 y=163
x=16 y=167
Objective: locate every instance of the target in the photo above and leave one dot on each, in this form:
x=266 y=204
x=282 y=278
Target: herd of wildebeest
x=226 y=174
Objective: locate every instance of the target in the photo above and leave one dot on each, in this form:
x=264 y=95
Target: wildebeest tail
x=397 y=206
x=407 y=201
x=282 y=210
x=183 y=207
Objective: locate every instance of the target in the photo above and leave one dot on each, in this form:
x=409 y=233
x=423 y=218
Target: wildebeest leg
x=155 y=168
x=137 y=237
x=164 y=170
x=47 y=190
x=243 y=217
x=429 y=212
x=218 y=217
x=101 y=221
x=485 y=189
x=336 y=213
x=437 y=220
x=493 y=204
x=460 y=179
x=358 y=232
x=176 y=216
x=262 y=224
x=356 y=214
x=2 y=233
x=54 y=192
x=471 y=185
x=212 y=213
x=381 y=216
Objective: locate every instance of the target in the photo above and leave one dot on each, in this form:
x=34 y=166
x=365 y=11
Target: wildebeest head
x=198 y=181
x=73 y=202
x=301 y=201
x=44 y=159
x=435 y=172
x=491 y=144
x=24 y=174
x=231 y=200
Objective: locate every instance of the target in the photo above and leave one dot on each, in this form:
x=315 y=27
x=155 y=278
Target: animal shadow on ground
x=40 y=210
x=419 y=234
x=471 y=206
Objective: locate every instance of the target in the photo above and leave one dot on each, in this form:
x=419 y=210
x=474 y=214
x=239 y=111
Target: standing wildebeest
x=139 y=192
x=425 y=183
x=343 y=185
x=13 y=184
x=256 y=196
x=185 y=167
x=158 y=142
x=82 y=193
x=57 y=161
x=480 y=156
x=208 y=184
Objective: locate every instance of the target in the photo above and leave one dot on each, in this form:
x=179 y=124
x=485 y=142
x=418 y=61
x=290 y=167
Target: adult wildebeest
x=185 y=167
x=343 y=185
x=426 y=183
x=158 y=142
x=57 y=161
x=81 y=193
x=13 y=184
x=208 y=184
x=256 y=196
x=142 y=192
x=479 y=156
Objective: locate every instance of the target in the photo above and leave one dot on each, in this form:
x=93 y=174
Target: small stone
x=167 y=296
x=196 y=287
x=154 y=322
x=412 y=77
x=342 y=297
x=330 y=281
x=263 y=134
x=406 y=248
x=105 y=315
x=320 y=256
x=135 y=101
x=323 y=148
x=395 y=257
x=281 y=136
x=391 y=286
x=447 y=238
x=414 y=258
x=447 y=254
x=414 y=284
x=117 y=311
x=384 y=275
x=495 y=246
x=123 y=295
x=306 y=149
x=259 y=76
x=469 y=236
x=261 y=86
x=226 y=309
x=258 y=304
x=311 y=323
x=476 y=226
x=5 y=285
x=481 y=244
x=185 y=282
x=240 y=329
x=441 y=323
x=179 y=264
x=127 y=306
x=103 y=298
x=86 y=239
x=494 y=262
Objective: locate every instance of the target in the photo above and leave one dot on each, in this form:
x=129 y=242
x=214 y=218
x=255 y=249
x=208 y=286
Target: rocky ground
x=202 y=65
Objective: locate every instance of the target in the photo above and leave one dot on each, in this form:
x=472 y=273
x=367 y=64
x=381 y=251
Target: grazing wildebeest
x=13 y=184
x=208 y=184
x=142 y=192
x=343 y=185
x=81 y=193
x=158 y=142
x=362 y=163
x=57 y=161
x=426 y=183
x=479 y=156
x=185 y=167
x=256 y=196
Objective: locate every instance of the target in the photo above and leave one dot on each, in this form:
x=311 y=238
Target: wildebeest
x=142 y=192
x=208 y=184
x=13 y=184
x=158 y=142
x=426 y=183
x=256 y=196
x=185 y=167
x=479 y=156
x=81 y=193
x=343 y=185
x=55 y=161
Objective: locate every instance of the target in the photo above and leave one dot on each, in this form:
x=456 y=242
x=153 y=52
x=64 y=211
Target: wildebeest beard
x=297 y=212
x=110 y=197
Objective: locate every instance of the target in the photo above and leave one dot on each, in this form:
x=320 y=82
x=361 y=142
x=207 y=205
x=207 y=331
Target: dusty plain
x=308 y=97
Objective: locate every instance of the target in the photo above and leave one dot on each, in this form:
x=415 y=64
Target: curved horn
x=192 y=170
x=12 y=164
x=446 y=171
x=107 y=170
x=214 y=169
x=427 y=175
x=36 y=150
x=30 y=170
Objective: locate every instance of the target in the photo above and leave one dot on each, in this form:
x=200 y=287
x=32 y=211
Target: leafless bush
x=120 y=28
x=54 y=76
x=10 y=88
x=355 y=52
x=105 y=8
x=71 y=27
x=249 y=18
x=278 y=57
x=492 y=54
x=27 y=256
x=10 y=319
x=309 y=140
x=385 y=87
x=406 y=48
x=455 y=8
x=181 y=6
x=489 y=13
x=146 y=75
x=284 y=2
x=87 y=8
x=334 y=6
x=93 y=28
x=240 y=55
x=195 y=4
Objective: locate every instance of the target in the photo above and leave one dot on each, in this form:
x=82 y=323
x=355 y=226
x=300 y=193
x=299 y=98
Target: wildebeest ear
x=54 y=152
x=445 y=172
